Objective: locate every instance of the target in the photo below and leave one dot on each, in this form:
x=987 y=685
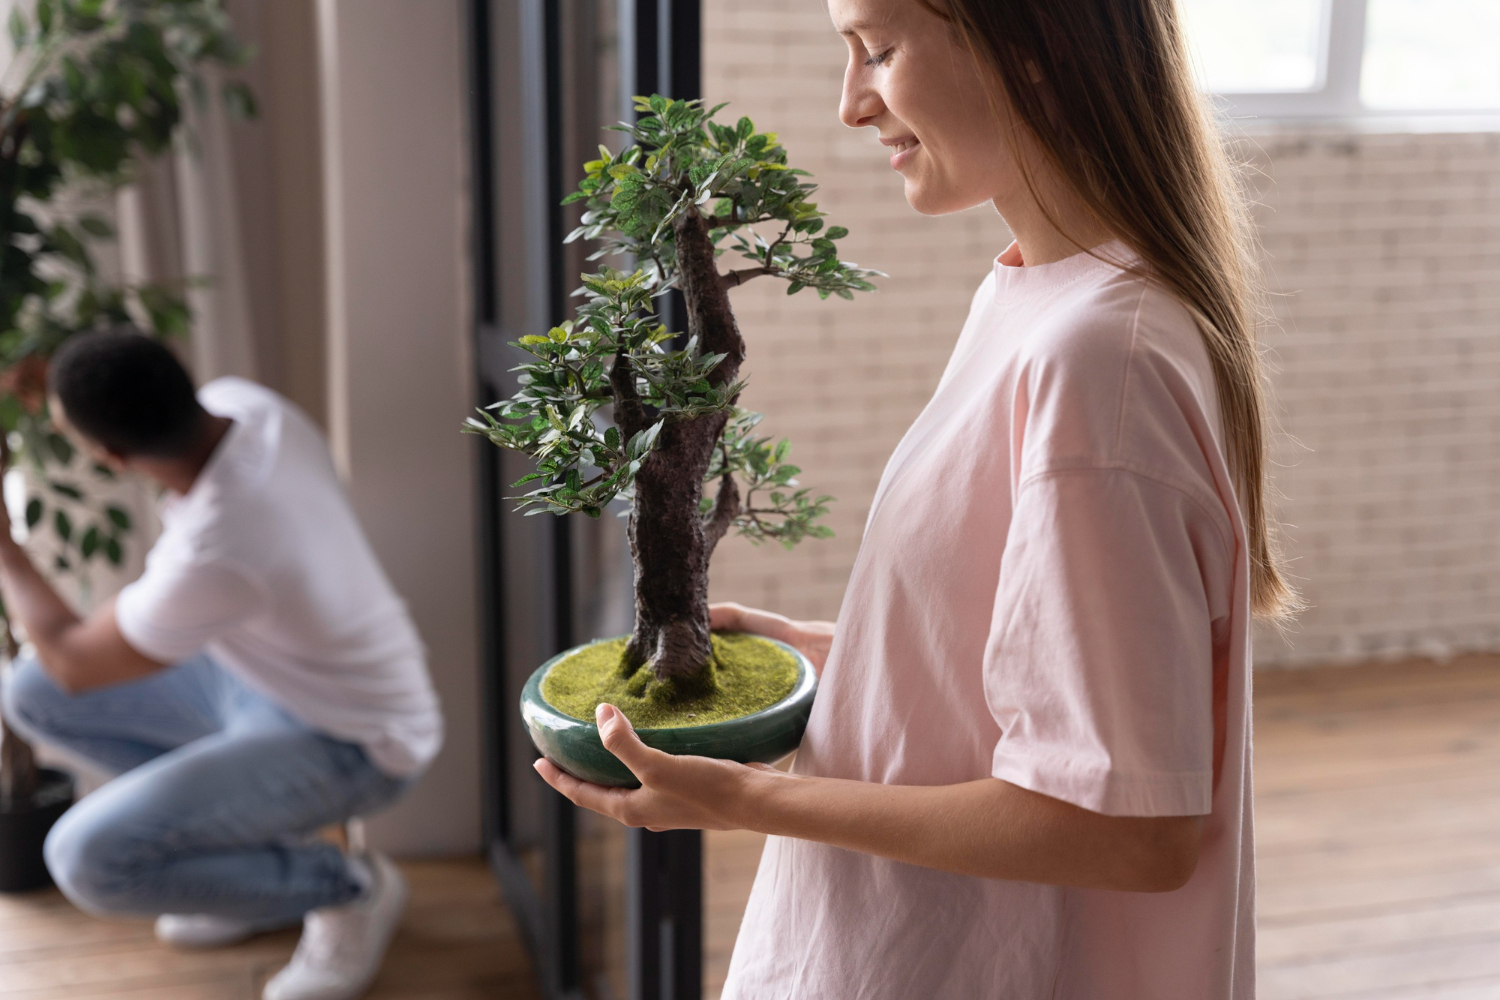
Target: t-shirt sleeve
x=176 y=608
x=1100 y=660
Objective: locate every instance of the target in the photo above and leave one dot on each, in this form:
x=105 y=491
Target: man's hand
x=676 y=793
x=812 y=639
x=78 y=654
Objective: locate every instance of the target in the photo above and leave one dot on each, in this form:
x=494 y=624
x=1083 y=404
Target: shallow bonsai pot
x=762 y=737
x=23 y=830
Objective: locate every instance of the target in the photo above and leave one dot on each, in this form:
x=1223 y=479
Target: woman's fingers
x=726 y=617
x=732 y=617
x=676 y=793
x=620 y=739
x=581 y=793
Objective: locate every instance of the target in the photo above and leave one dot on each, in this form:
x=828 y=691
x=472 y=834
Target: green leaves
x=684 y=161
x=583 y=462
x=92 y=86
x=597 y=394
x=58 y=447
x=18 y=28
x=774 y=507
x=81 y=531
x=239 y=100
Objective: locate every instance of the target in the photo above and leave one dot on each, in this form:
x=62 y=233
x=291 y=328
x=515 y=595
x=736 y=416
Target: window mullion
x=1344 y=56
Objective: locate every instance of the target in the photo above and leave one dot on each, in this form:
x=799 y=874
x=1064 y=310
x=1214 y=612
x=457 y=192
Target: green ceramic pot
x=764 y=737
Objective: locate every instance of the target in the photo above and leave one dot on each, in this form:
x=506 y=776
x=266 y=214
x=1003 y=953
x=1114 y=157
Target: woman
x=1027 y=773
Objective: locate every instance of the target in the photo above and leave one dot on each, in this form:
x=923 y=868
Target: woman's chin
x=930 y=198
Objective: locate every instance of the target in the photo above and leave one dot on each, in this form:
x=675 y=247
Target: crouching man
x=260 y=681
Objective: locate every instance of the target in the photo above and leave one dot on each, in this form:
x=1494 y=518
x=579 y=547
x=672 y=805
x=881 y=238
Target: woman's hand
x=987 y=827
x=676 y=793
x=812 y=639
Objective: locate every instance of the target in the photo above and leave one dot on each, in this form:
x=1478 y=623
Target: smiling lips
x=901 y=149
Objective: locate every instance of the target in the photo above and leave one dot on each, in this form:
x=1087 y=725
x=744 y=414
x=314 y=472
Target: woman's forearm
x=988 y=828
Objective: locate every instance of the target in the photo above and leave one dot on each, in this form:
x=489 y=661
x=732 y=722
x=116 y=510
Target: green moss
x=747 y=673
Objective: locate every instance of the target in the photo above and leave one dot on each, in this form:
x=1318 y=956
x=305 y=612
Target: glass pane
x=1256 y=46
x=1432 y=54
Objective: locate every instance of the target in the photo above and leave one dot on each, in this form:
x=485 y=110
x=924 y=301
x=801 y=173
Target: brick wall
x=1385 y=257
x=1385 y=254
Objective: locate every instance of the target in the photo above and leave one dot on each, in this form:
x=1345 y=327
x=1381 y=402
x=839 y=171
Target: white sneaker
x=342 y=946
x=199 y=930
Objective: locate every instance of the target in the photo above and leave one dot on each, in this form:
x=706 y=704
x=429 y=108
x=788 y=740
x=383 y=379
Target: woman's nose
x=860 y=105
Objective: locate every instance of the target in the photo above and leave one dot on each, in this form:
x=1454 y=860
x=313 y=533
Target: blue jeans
x=218 y=792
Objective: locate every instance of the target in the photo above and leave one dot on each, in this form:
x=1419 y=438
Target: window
x=1423 y=54
x=1245 y=46
x=1347 y=58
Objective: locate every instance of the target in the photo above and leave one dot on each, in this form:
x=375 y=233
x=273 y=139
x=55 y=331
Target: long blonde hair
x=1118 y=114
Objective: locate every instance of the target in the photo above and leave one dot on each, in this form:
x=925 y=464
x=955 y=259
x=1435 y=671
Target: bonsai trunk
x=670 y=541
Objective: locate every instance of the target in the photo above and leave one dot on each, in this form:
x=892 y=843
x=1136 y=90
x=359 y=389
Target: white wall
x=396 y=220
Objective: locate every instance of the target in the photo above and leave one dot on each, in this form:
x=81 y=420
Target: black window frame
x=660 y=50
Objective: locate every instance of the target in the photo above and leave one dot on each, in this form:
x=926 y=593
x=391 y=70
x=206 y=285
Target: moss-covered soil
x=747 y=674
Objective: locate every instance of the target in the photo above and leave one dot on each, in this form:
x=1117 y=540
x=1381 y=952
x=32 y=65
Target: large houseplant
x=92 y=86
x=613 y=405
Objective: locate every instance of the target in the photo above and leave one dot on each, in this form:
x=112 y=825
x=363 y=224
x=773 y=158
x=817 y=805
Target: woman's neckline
x=1011 y=270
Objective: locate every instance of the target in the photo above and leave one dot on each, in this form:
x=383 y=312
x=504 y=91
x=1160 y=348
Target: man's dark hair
x=127 y=392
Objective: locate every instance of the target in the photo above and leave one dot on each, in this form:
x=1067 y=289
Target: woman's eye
x=878 y=58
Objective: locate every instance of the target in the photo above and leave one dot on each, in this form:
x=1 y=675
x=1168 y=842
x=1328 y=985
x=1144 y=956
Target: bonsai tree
x=675 y=444
x=93 y=86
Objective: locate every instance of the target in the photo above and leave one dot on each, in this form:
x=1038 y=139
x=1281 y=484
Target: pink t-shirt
x=1052 y=590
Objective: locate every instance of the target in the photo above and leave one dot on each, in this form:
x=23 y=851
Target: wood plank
x=1480 y=988
x=1378 y=828
x=1397 y=970
x=456 y=942
x=1432 y=922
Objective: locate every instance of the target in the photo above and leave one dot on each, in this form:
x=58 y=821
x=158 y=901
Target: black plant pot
x=23 y=829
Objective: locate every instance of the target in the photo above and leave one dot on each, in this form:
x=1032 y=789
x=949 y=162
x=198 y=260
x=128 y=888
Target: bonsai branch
x=733 y=279
x=736 y=278
x=726 y=508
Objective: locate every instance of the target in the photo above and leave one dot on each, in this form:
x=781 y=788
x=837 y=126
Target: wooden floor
x=1378 y=821
x=1377 y=816
x=457 y=942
